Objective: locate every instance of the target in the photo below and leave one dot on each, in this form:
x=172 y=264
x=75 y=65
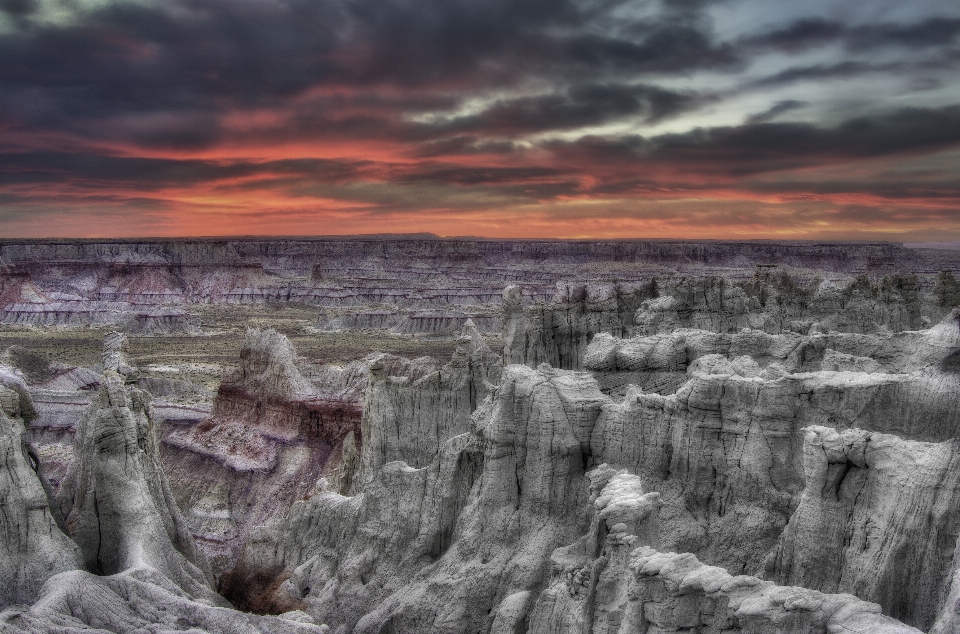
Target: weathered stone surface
x=614 y=579
x=119 y=509
x=477 y=501
x=878 y=518
x=675 y=591
x=777 y=303
x=32 y=545
x=115 y=500
x=270 y=438
x=558 y=333
x=439 y=548
x=466 y=542
x=409 y=420
x=136 y=600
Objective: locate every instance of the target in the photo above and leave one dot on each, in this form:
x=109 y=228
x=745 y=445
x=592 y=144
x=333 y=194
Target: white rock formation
x=115 y=500
x=127 y=529
x=504 y=529
x=878 y=518
x=32 y=546
x=558 y=333
x=409 y=420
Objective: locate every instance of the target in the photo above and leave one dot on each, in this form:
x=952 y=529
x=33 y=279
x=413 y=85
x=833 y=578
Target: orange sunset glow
x=566 y=119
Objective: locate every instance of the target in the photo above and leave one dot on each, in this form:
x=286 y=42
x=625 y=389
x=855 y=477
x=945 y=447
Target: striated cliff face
x=270 y=438
x=143 y=286
x=615 y=579
x=300 y=255
x=558 y=333
x=466 y=532
x=507 y=530
x=409 y=420
x=131 y=564
x=766 y=454
x=878 y=518
x=725 y=450
x=273 y=434
x=777 y=303
x=115 y=500
x=32 y=546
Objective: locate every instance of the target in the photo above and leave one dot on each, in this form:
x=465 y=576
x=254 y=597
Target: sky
x=700 y=119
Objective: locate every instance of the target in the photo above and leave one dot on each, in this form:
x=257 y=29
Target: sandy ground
x=201 y=359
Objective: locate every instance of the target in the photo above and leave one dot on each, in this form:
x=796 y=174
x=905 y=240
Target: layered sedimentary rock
x=466 y=532
x=671 y=592
x=121 y=282
x=779 y=302
x=615 y=579
x=558 y=333
x=659 y=362
x=724 y=454
x=507 y=529
x=317 y=258
x=115 y=500
x=878 y=518
x=136 y=600
x=140 y=320
x=126 y=529
x=434 y=323
x=409 y=420
x=32 y=546
x=737 y=455
x=273 y=433
x=725 y=450
x=268 y=441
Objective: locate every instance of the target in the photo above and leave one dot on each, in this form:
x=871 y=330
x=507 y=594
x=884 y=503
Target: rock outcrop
x=409 y=420
x=136 y=600
x=438 y=549
x=32 y=546
x=615 y=579
x=878 y=518
x=270 y=438
x=558 y=333
x=724 y=456
x=688 y=442
x=115 y=500
x=506 y=528
x=779 y=303
x=116 y=505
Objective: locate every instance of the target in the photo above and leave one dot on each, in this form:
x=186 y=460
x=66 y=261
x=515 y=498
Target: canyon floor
x=414 y=434
x=202 y=358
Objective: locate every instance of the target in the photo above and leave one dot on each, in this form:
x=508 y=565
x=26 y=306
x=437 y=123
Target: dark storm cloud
x=458 y=175
x=583 y=105
x=19 y=7
x=806 y=33
x=446 y=103
x=703 y=158
x=818 y=72
x=197 y=58
x=39 y=168
x=785 y=105
x=666 y=48
x=732 y=152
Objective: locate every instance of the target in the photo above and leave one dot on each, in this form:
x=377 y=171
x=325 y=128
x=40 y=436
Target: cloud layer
x=566 y=118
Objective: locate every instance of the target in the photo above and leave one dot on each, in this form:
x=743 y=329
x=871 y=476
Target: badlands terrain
x=397 y=434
